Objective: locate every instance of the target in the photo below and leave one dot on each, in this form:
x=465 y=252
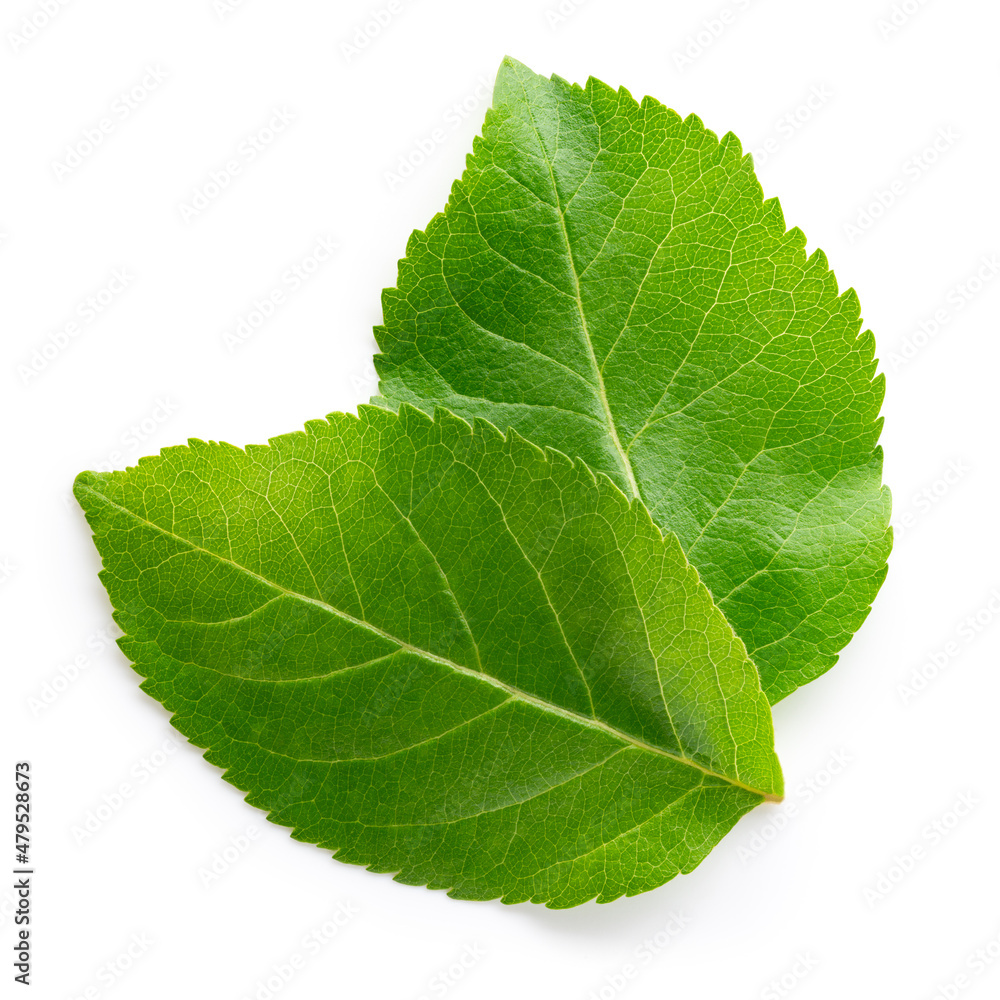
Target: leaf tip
x=84 y=479
x=84 y=482
x=511 y=65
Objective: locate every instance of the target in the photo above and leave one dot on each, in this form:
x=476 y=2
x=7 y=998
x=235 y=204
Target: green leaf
x=608 y=280
x=438 y=652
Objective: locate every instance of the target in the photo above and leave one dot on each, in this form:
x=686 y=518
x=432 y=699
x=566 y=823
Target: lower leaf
x=439 y=652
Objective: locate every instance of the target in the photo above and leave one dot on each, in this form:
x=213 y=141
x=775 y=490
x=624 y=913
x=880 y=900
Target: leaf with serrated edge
x=438 y=652
x=608 y=280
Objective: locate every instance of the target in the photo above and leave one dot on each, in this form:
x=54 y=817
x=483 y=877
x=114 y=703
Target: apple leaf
x=608 y=280
x=438 y=652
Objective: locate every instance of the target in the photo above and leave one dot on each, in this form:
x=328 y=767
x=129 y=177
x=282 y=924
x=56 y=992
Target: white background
x=799 y=905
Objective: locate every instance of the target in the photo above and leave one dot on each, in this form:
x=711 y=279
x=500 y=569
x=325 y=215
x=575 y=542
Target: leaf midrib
x=623 y=460
x=509 y=689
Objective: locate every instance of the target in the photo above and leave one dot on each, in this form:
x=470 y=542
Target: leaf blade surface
x=438 y=652
x=608 y=280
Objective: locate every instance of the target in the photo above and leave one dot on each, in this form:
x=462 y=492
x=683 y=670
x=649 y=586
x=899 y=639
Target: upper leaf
x=608 y=280
x=439 y=652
